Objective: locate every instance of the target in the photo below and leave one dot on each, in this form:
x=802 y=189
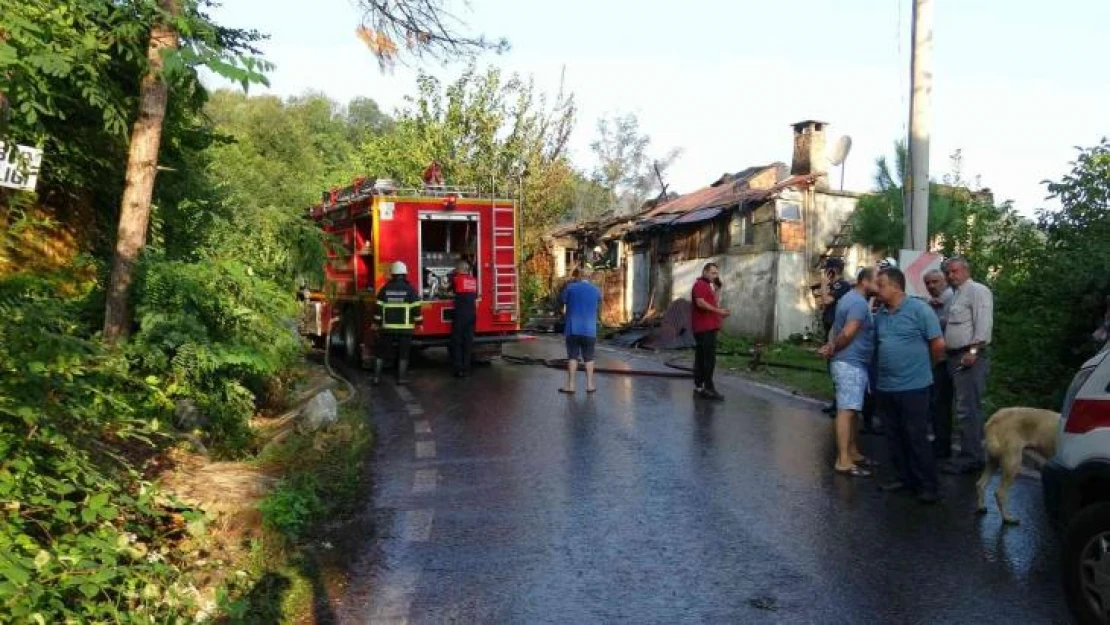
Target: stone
x=320 y=411
x=187 y=416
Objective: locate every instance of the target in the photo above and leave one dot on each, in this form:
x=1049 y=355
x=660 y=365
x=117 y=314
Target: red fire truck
x=373 y=224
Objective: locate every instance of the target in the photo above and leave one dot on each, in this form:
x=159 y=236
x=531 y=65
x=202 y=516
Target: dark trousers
x=940 y=411
x=705 y=358
x=462 y=343
x=395 y=346
x=905 y=417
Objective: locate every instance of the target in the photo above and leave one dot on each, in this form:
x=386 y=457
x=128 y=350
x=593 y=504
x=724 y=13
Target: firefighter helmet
x=399 y=269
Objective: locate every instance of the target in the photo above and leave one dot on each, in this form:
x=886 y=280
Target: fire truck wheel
x=349 y=337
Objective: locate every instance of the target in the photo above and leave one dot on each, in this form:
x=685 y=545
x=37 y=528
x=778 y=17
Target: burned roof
x=728 y=190
x=753 y=185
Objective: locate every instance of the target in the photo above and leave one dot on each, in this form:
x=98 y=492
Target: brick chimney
x=809 y=149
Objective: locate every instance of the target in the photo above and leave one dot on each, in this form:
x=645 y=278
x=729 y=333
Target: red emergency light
x=450 y=202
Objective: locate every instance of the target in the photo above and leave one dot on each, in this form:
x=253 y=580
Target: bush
x=219 y=334
x=80 y=531
x=292 y=506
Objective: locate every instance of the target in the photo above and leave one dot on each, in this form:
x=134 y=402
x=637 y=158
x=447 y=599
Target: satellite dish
x=840 y=151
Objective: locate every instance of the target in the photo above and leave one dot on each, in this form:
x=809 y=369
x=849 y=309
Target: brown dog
x=1008 y=432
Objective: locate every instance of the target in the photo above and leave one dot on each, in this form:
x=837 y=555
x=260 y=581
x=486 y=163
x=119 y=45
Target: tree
x=485 y=130
x=423 y=27
x=959 y=217
x=142 y=162
x=624 y=167
x=1045 y=314
x=223 y=51
x=366 y=118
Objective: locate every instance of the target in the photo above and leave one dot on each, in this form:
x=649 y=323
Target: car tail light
x=1086 y=415
x=1073 y=389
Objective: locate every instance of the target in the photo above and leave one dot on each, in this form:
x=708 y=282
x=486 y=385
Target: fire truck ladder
x=505 y=279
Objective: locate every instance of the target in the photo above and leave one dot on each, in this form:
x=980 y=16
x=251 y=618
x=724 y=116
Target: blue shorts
x=581 y=347
x=851 y=381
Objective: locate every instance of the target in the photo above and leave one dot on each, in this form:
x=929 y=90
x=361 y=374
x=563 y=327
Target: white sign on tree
x=19 y=166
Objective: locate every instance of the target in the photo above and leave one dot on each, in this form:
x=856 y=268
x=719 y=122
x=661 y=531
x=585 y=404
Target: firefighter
x=465 y=287
x=396 y=316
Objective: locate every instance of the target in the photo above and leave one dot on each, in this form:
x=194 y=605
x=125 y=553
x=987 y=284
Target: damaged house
x=768 y=227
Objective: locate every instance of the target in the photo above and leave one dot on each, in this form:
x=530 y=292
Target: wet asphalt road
x=499 y=500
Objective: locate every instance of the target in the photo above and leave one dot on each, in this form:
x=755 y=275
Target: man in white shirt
x=967 y=336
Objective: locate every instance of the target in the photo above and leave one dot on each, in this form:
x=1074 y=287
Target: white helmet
x=399 y=269
x=888 y=262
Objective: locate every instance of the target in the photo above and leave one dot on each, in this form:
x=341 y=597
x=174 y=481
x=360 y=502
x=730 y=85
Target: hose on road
x=561 y=363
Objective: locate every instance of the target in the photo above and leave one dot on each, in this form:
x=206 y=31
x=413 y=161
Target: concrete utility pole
x=916 y=189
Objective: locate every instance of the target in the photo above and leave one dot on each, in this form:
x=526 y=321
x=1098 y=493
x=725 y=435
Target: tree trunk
x=142 y=165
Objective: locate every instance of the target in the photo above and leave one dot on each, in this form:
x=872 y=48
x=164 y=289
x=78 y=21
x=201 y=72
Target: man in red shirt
x=706 y=322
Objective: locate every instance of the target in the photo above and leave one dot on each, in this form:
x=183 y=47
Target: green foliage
x=483 y=129
x=218 y=333
x=291 y=507
x=81 y=534
x=1045 y=313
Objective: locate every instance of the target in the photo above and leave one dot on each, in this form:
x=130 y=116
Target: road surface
x=499 y=500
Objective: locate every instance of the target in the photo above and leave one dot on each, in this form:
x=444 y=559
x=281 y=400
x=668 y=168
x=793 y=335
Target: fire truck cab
x=374 y=224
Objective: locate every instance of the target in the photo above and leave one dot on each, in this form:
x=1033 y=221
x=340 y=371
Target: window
x=741 y=229
x=790 y=211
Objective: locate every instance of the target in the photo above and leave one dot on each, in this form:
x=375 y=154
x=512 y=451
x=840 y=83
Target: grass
x=803 y=371
x=323 y=481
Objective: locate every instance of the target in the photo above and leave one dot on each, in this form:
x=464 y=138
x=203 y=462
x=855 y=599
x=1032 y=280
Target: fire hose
x=561 y=363
x=352 y=392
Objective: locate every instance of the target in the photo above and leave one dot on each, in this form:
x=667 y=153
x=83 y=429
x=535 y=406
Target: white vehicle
x=1076 y=484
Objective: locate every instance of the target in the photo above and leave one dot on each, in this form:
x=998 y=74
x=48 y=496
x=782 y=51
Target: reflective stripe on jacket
x=398 y=307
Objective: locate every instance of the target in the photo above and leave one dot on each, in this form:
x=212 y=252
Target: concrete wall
x=747 y=291
x=795 y=307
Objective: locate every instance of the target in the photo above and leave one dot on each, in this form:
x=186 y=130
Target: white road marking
x=425 y=449
x=414 y=409
x=405 y=394
x=422 y=427
x=425 y=480
x=418 y=525
x=393 y=598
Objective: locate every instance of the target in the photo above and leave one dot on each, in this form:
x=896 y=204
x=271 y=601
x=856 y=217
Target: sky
x=1018 y=84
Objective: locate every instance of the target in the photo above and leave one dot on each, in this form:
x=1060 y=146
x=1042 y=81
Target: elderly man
x=910 y=342
x=940 y=405
x=968 y=336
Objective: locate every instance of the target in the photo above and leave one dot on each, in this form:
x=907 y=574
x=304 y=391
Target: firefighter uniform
x=397 y=314
x=465 y=287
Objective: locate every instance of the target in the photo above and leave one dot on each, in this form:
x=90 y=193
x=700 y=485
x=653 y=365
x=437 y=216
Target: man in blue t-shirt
x=909 y=343
x=850 y=349
x=581 y=302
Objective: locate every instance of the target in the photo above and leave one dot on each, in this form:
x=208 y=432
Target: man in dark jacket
x=465 y=287
x=396 y=316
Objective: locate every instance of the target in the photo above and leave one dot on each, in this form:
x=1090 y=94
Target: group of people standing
x=919 y=359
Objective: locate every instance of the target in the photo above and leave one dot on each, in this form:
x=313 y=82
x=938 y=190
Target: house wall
x=795 y=307
x=765 y=281
x=747 y=289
